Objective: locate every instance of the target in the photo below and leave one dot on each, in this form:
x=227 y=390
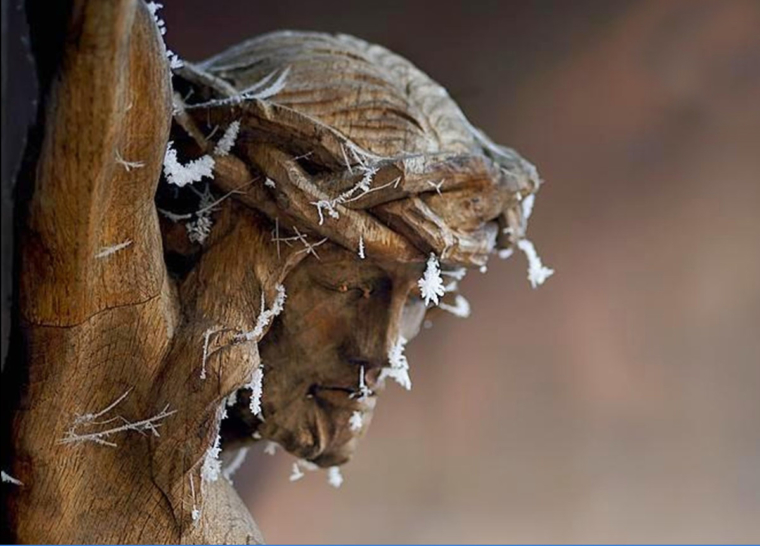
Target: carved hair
x=368 y=151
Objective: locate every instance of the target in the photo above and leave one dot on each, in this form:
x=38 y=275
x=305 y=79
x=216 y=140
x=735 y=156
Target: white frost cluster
x=212 y=465
x=270 y=448
x=334 y=477
x=174 y=60
x=431 y=284
x=361 y=247
x=182 y=175
x=265 y=316
x=7 y=478
x=225 y=144
x=537 y=271
x=256 y=385
x=399 y=365
x=356 y=421
x=527 y=206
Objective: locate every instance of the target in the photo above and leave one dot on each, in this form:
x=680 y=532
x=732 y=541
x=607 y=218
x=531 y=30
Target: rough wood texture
x=351 y=168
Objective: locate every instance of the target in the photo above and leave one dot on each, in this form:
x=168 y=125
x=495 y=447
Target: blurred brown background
x=621 y=401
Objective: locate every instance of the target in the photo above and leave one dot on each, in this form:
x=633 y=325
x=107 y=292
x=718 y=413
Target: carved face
x=342 y=315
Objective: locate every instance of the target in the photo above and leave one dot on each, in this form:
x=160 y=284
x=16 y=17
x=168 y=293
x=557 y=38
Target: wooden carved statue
x=238 y=254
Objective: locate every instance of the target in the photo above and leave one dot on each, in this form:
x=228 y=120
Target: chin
x=321 y=437
x=335 y=456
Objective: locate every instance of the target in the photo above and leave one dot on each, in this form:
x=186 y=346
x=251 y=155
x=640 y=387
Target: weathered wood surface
x=351 y=168
x=94 y=328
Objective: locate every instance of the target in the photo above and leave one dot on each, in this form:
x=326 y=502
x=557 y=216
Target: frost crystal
x=174 y=61
x=361 y=247
x=128 y=165
x=235 y=464
x=461 y=307
x=181 y=175
x=108 y=250
x=457 y=274
x=431 y=284
x=212 y=465
x=296 y=473
x=527 y=206
x=199 y=229
x=206 y=338
x=505 y=253
x=355 y=192
x=256 y=385
x=399 y=365
x=195 y=514
x=225 y=144
x=75 y=436
x=7 y=478
x=537 y=271
x=269 y=183
x=356 y=422
x=363 y=391
x=270 y=448
x=334 y=477
x=265 y=316
x=266 y=88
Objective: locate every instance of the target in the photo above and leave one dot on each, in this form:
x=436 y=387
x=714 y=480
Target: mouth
x=359 y=393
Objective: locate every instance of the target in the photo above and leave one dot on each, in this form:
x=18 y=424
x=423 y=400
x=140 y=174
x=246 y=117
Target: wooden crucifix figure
x=216 y=254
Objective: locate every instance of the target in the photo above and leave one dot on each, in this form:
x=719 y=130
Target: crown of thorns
x=394 y=169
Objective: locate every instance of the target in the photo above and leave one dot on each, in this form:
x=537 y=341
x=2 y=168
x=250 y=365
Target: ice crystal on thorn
x=356 y=421
x=212 y=465
x=225 y=144
x=461 y=307
x=537 y=271
x=296 y=473
x=334 y=477
x=256 y=385
x=399 y=365
x=193 y=171
x=431 y=284
x=7 y=478
x=265 y=316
